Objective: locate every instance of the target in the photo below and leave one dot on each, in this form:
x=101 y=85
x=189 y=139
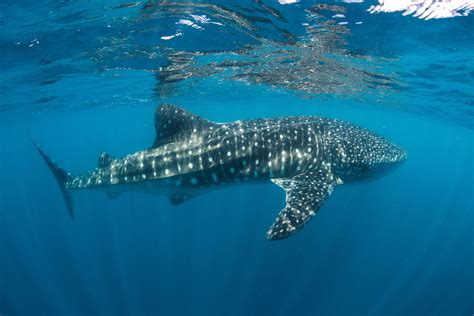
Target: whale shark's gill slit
x=62 y=178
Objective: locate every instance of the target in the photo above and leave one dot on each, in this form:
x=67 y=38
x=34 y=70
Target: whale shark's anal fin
x=173 y=123
x=305 y=195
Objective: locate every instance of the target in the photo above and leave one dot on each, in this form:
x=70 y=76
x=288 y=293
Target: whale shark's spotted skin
x=306 y=156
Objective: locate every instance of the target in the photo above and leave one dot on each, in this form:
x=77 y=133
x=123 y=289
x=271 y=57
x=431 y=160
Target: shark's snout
x=399 y=154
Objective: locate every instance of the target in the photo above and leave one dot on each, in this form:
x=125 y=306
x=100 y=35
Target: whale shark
x=306 y=156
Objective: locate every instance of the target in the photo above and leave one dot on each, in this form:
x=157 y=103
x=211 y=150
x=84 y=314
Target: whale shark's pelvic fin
x=61 y=176
x=112 y=195
x=178 y=198
x=173 y=123
x=305 y=194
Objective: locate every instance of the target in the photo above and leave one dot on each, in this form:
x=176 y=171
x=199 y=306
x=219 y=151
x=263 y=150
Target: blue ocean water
x=85 y=77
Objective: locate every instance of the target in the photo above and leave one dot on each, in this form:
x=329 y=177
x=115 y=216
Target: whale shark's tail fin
x=62 y=177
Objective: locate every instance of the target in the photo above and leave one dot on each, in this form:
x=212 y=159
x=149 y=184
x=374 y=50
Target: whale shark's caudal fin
x=62 y=177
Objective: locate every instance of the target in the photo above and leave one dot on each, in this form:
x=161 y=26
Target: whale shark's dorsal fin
x=305 y=194
x=173 y=123
x=104 y=160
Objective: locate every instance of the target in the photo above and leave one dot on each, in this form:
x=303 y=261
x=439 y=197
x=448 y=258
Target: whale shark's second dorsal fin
x=104 y=160
x=173 y=123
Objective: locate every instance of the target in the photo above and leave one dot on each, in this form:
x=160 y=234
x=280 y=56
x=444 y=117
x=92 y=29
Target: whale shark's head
x=389 y=157
x=358 y=153
x=394 y=156
x=383 y=151
x=398 y=154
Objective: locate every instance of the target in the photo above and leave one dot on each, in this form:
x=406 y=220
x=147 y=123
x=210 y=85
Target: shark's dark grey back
x=356 y=152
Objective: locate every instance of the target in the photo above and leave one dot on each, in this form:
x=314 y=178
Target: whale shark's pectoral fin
x=305 y=194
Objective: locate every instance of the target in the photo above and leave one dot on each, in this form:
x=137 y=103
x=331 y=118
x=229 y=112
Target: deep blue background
x=399 y=245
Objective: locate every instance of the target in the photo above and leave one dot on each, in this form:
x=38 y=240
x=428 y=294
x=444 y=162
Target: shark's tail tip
x=62 y=177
